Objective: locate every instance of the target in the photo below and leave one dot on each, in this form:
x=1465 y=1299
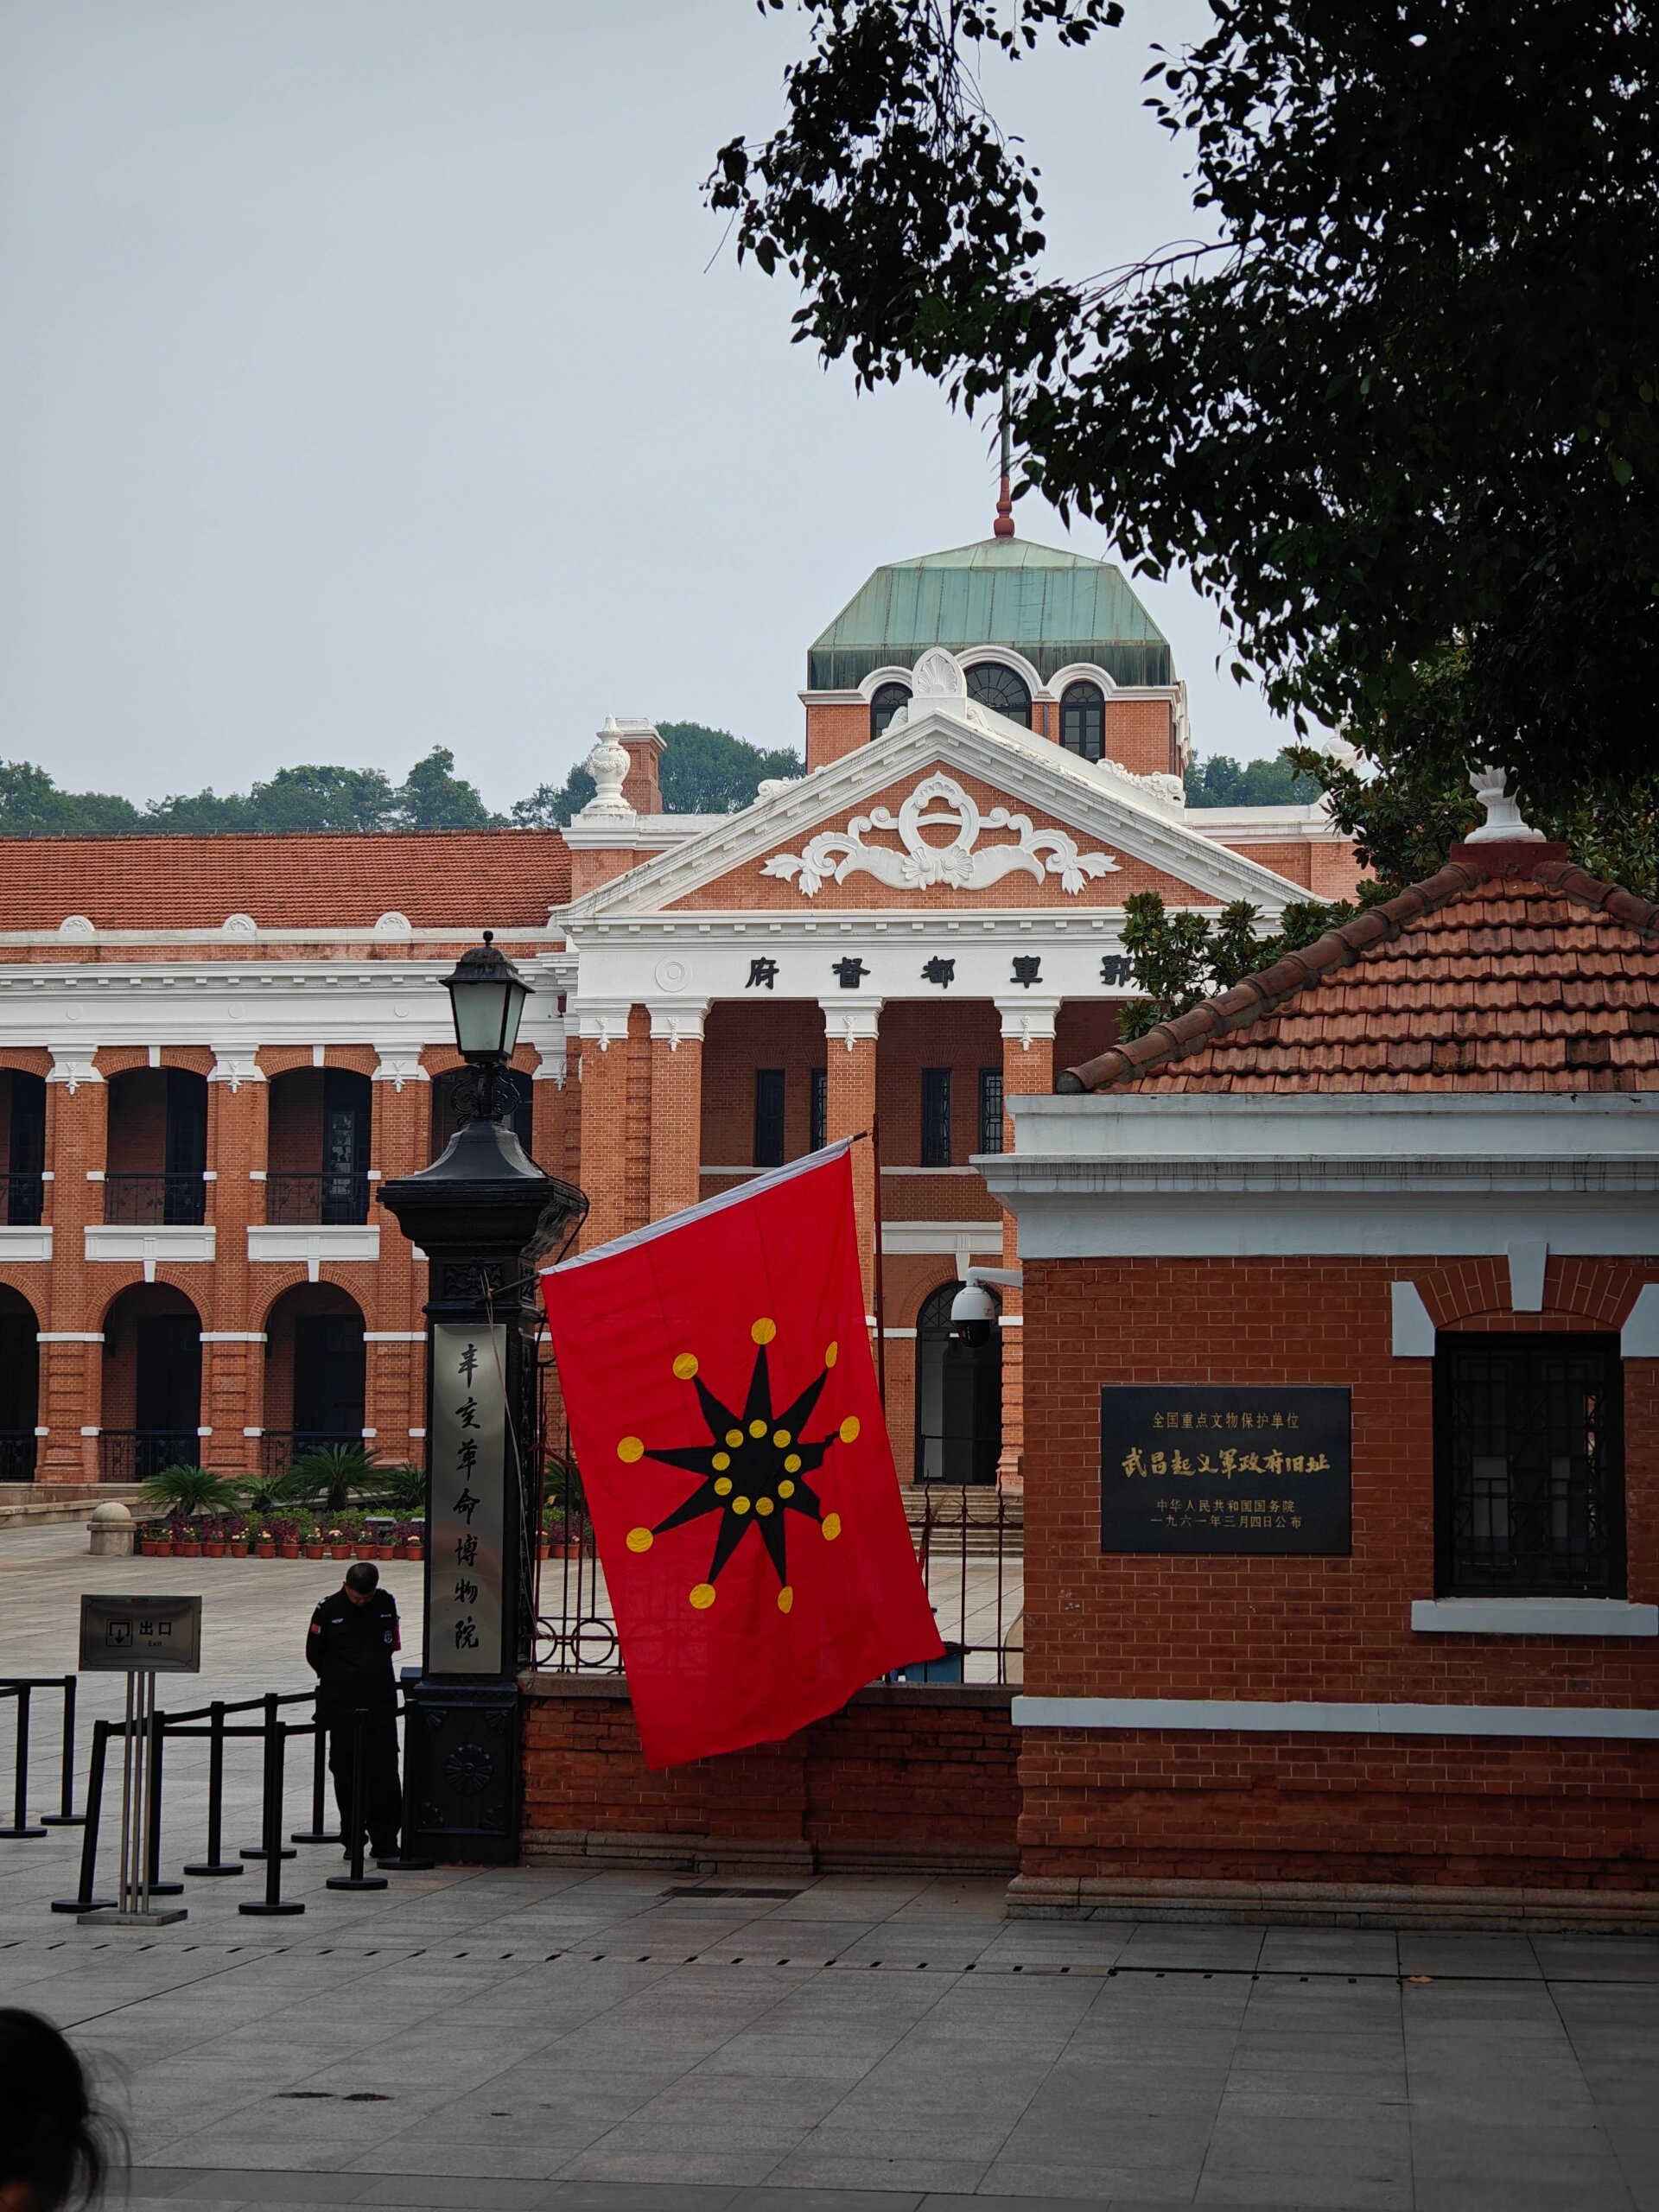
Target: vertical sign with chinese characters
x=469 y=1493
x=1222 y=1467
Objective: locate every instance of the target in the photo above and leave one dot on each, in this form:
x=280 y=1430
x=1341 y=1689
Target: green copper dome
x=1052 y=607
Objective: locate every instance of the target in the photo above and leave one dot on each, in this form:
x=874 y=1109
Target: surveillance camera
x=973 y=1314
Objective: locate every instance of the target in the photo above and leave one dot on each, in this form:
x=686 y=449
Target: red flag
x=722 y=1404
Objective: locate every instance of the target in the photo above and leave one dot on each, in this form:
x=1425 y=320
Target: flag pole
x=881 y=1300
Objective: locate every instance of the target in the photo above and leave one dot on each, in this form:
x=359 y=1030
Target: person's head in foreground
x=52 y=2136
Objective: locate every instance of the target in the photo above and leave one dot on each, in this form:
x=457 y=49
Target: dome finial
x=1505 y=822
x=1003 y=526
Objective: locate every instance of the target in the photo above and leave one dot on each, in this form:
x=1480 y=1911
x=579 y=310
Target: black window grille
x=1083 y=719
x=885 y=702
x=936 y=1117
x=990 y=1109
x=820 y=1134
x=1529 y=1466
x=995 y=685
x=768 y=1117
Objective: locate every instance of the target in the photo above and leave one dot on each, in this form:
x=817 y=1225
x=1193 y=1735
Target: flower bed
x=279 y=1536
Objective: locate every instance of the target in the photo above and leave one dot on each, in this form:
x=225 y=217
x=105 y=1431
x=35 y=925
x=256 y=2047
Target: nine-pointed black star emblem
x=752 y=1471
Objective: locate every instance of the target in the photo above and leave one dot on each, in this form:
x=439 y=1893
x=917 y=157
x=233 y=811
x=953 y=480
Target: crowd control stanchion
x=267 y=1841
x=67 y=1816
x=403 y=1861
x=157 y=1739
x=216 y=1862
x=139 y=1637
x=85 y=1901
x=357 y=1880
x=318 y=1831
x=272 y=1850
x=21 y=1825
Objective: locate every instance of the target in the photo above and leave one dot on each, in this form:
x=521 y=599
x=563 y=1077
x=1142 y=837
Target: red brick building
x=1404 y=1182
x=213 y=1050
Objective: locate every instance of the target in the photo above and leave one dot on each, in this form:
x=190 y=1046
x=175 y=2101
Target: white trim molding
x=1533 y=1617
x=282 y=1241
x=124 y=1243
x=1260 y=1717
x=945 y=1238
x=22 y=1243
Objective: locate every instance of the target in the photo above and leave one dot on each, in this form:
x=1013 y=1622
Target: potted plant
x=213 y=1537
x=187 y=1540
x=235 y=1526
x=416 y=1544
x=259 y=1536
x=310 y=1537
x=285 y=1530
x=157 y=1540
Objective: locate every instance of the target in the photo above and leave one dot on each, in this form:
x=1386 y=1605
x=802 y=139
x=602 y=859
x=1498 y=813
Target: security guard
x=352 y=1637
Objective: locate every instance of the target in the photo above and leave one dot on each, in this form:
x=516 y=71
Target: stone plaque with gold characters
x=1220 y=1467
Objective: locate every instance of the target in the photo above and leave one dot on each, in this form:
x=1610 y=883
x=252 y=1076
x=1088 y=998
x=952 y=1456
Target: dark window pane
x=768 y=1117
x=936 y=1117
x=885 y=702
x=1529 y=1477
x=1002 y=689
x=820 y=1132
x=990 y=1109
x=1083 y=719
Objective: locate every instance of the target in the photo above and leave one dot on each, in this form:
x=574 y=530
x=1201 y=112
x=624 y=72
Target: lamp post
x=480 y=1213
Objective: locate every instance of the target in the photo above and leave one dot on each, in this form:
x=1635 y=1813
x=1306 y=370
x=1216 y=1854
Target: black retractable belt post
x=216 y=1862
x=271 y=1851
x=85 y=1902
x=317 y=1833
x=154 y=1883
x=405 y=1861
x=67 y=1816
x=357 y=1880
x=266 y=1840
x=20 y=1821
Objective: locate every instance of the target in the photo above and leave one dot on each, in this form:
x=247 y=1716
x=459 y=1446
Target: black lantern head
x=486 y=997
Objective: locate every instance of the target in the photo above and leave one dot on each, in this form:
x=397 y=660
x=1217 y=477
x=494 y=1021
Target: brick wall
x=1140 y=734
x=1330 y=1629
x=899 y=1777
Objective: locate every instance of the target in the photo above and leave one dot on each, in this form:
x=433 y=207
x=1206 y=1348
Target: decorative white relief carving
x=76 y=925
x=235 y=1064
x=72 y=1067
x=672 y=973
x=609 y=765
x=1504 y=818
x=399 y=1063
x=962 y=863
x=240 y=925
x=938 y=675
x=1168 y=790
x=769 y=786
x=393 y=925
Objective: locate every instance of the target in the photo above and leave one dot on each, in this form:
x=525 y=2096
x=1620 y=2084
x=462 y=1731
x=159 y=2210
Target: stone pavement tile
x=1329 y=1950
x=243 y=2186
x=442 y=2192
x=1471 y=1954
x=1231 y=2189
x=638 y=2197
x=985 y=2200
x=1163 y=2181
x=658 y=2161
x=497 y=2162
x=1598 y=1958
x=918 y=2173
x=1168 y=1944
x=222 y=2146
x=767 y=2198
x=1462 y=2150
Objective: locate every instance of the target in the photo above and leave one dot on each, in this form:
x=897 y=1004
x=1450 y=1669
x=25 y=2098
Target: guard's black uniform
x=351 y=1647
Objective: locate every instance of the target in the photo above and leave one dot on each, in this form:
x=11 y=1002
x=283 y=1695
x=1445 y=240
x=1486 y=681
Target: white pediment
x=832 y=823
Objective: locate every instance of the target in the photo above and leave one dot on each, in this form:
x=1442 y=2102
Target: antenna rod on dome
x=1004 y=524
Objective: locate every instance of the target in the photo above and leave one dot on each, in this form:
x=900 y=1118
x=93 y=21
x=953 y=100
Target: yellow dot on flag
x=794 y=1465
x=831 y=1353
x=763 y=1506
x=640 y=1540
x=764 y=1332
x=723 y=1487
x=757 y=1428
x=848 y=1430
x=780 y=1437
x=733 y=1436
x=686 y=1366
x=831 y=1527
x=786 y=1490
x=740 y=1505
x=630 y=1449
x=786 y=1599
x=720 y=1461
x=703 y=1596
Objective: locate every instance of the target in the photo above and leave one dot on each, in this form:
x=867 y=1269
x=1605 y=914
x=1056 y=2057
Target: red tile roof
x=1511 y=970
x=469 y=879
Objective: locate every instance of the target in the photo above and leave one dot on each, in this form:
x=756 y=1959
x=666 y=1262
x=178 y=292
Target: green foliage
x=1181 y=959
x=432 y=797
x=562 y=1497
x=1222 y=781
x=710 y=771
x=180 y=1490
x=31 y=805
x=551 y=805
x=331 y=1476
x=400 y=1489
x=1404 y=404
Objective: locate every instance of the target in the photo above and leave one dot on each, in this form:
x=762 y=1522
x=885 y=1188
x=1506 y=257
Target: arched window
x=1001 y=689
x=885 y=701
x=959 y=1398
x=1083 y=719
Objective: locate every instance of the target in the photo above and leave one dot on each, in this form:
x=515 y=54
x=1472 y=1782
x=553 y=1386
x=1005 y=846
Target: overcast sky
x=371 y=378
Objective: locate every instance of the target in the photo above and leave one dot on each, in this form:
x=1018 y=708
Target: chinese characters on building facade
x=466 y=1525
x=1215 y=1468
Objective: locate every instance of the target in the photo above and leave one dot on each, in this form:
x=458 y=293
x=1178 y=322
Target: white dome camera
x=973 y=1314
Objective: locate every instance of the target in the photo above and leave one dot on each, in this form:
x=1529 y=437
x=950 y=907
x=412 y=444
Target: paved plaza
x=623 y=2042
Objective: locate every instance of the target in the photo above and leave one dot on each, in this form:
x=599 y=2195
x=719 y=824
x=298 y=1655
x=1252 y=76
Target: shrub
x=179 y=1491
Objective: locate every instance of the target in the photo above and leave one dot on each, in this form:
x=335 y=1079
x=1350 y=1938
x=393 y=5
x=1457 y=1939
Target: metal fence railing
x=23 y=1200
x=969 y=1545
x=174 y=1200
x=340 y=1199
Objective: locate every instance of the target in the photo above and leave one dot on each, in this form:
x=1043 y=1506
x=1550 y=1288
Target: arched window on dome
x=1001 y=688
x=885 y=701
x=1083 y=719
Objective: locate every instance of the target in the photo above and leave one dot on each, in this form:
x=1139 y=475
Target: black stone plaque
x=1223 y=1467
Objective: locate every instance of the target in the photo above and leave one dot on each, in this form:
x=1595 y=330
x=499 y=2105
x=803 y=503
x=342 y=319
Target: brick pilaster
x=394 y=1358
x=233 y=1368
x=1027 y=1071
x=607 y=1052
x=850 y=1028
x=71 y=1370
x=676 y=1106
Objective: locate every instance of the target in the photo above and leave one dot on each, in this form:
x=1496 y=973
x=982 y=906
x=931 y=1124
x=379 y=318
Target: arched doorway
x=20 y=1387
x=958 y=1397
x=152 y=1383
x=314 y=1373
x=157 y=1146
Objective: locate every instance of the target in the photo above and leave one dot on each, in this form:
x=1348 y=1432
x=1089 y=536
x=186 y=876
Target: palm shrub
x=332 y=1475
x=400 y=1489
x=180 y=1491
